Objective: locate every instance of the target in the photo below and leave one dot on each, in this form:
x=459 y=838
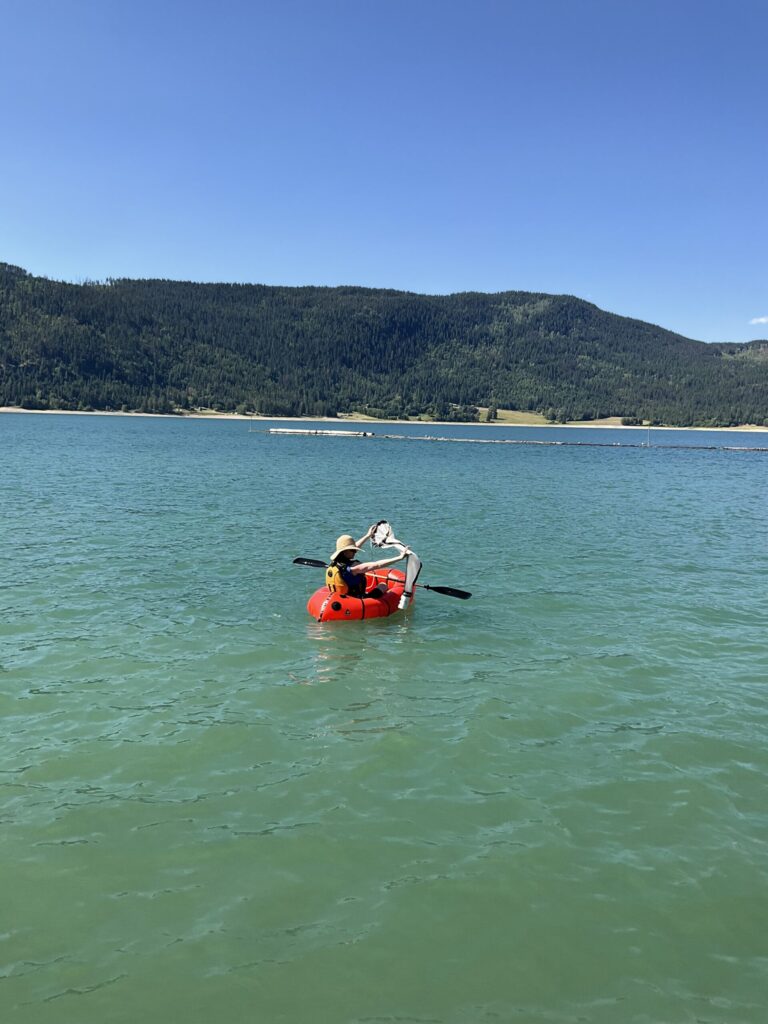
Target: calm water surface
x=544 y=804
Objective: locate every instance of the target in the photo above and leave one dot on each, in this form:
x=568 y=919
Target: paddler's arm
x=367 y=535
x=381 y=564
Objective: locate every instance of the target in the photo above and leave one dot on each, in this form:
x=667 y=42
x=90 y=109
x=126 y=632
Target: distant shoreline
x=611 y=424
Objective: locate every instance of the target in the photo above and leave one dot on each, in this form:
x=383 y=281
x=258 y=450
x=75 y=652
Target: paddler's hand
x=367 y=535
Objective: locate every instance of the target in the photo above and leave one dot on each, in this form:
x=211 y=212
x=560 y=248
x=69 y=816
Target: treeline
x=164 y=346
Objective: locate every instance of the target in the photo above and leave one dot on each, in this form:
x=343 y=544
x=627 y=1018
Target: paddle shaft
x=463 y=595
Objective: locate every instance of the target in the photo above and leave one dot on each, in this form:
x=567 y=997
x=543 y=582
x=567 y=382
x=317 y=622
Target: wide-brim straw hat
x=346 y=542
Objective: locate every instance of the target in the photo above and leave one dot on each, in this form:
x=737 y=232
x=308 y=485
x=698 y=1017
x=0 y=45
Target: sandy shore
x=613 y=423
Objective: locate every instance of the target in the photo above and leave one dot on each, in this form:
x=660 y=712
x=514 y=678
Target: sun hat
x=345 y=543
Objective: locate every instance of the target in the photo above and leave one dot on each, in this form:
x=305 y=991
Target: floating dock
x=324 y=433
x=516 y=441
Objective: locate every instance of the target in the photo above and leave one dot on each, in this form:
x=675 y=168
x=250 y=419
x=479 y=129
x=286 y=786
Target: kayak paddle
x=463 y=595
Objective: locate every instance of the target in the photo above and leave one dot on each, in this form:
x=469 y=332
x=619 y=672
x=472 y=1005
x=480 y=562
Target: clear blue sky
x=612 y=149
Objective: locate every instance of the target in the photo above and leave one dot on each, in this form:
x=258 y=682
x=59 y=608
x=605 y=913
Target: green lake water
x=547 y=803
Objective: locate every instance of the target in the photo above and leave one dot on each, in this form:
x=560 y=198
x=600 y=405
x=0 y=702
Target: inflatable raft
x=327 y=607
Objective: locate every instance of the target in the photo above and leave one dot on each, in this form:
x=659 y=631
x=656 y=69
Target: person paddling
x=345 y=575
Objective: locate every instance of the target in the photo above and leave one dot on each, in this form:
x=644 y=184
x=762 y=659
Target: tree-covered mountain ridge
x=164 y=346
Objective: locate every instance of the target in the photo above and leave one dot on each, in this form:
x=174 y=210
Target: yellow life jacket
x=341 y=581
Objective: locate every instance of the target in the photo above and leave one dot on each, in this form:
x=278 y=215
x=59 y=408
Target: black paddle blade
x=314 y=562
x=463 y=595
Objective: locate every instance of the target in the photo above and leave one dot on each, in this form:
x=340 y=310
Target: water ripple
x=544 y=804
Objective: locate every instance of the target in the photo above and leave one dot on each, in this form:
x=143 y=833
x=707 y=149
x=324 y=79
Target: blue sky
x=612 y=149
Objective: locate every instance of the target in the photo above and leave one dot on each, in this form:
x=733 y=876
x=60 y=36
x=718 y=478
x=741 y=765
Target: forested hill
x=167 y=345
